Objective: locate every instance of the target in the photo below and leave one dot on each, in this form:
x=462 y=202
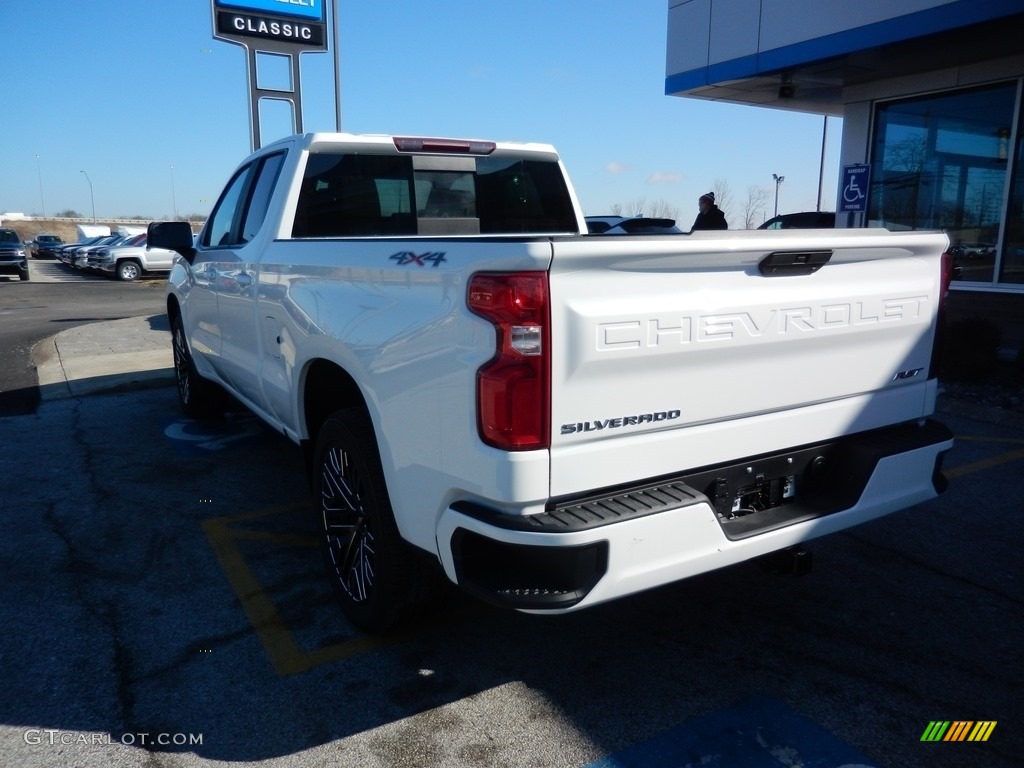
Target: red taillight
x=939 y=344
x=946 y=275
x=512 y=389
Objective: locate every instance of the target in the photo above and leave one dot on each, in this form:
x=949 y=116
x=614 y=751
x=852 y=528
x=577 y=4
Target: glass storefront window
x=940 y=162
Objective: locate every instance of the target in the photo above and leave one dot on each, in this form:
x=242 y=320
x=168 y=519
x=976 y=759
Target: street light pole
x=778 y=180
x=821 y=165
x=93 y=199
x=174 y=199
x=336 y=44
x=40 y=172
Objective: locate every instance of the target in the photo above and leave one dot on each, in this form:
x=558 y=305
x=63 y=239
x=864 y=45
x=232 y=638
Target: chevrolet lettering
x=740 y=325
x=430 y=322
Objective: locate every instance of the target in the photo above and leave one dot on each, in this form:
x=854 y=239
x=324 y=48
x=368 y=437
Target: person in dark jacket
x=710 y=216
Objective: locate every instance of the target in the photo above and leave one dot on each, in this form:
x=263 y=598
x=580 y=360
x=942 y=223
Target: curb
x=110 y=356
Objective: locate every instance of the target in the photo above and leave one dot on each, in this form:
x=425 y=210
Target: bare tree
x=659 y=209
x=755 y=207
x=662 y=209
x=908 y=155
x=633 y=207
x=723 y=197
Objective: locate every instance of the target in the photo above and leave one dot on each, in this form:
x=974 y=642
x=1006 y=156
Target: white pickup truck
x=557 y=419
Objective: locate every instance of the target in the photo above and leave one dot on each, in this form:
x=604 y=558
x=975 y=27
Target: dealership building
x=930 y=93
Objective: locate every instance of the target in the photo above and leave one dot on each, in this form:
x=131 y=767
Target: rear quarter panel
x=397 y=322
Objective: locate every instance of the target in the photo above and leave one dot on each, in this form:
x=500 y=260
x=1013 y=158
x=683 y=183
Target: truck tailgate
x=677 y=352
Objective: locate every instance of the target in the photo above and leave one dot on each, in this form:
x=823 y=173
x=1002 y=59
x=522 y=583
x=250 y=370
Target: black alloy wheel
x=377 y=577
x=199 y=398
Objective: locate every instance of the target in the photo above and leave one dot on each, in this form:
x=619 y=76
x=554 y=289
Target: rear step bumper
x=613 y=542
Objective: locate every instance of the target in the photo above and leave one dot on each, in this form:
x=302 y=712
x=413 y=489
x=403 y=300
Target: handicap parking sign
x=855 y=188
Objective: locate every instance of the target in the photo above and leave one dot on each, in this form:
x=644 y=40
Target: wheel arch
x=326 y=388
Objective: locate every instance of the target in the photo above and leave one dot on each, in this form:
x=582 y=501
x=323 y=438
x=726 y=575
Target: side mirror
x=172 y=235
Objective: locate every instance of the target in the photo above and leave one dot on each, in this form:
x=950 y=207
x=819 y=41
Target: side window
x=221 y=229
x=259 y=200
x=516 y=195
x=355 y=196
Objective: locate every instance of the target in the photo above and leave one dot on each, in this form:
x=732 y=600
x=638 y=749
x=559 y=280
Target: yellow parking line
x=993 y=461
x=281 y=538
x=977 y=466
x=284 y=653
x=984 y=439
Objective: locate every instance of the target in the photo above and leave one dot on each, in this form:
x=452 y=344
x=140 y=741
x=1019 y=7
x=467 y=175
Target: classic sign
x=290 y=24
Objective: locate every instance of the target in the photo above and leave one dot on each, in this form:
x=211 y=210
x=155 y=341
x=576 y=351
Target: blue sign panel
x=273 y=25
x=854 y=196
x=760 y=733
x=306 y=9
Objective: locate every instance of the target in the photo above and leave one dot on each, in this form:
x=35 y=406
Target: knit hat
x=710 y=197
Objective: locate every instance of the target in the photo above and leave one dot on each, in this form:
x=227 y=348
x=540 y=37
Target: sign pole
x=272 y=27
x=255 y=133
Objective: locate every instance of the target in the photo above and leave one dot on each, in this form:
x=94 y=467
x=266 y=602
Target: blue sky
x=123 y=90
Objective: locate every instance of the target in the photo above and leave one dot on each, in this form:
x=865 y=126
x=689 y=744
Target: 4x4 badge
x=405 y=258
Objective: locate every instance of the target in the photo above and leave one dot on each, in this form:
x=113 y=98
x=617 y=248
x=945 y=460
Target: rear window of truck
x=361 y=195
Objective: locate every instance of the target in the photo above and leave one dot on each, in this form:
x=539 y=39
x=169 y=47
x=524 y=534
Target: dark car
x=631 y=225
x=13 y=254
x=805 y=220
x=44 y=246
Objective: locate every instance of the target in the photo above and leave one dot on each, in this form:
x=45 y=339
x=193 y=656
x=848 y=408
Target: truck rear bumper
x=620 y=541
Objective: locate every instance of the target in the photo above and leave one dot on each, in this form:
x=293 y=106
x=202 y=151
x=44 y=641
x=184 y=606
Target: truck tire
x=128 y=270
x=379 y=579
x=199 y=398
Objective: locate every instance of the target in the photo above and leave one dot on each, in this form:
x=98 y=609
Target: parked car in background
x=804 y=220
x=44 y=246
x=81 y=255
x=130 y=260
x=65 y=252
x=13 y=254
x=631 y=225
x=972 y=251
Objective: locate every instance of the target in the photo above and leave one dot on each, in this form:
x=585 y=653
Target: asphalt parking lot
x=167 y=607
x=171 y=610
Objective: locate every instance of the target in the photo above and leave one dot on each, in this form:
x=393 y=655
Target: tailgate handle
x=790 y=263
